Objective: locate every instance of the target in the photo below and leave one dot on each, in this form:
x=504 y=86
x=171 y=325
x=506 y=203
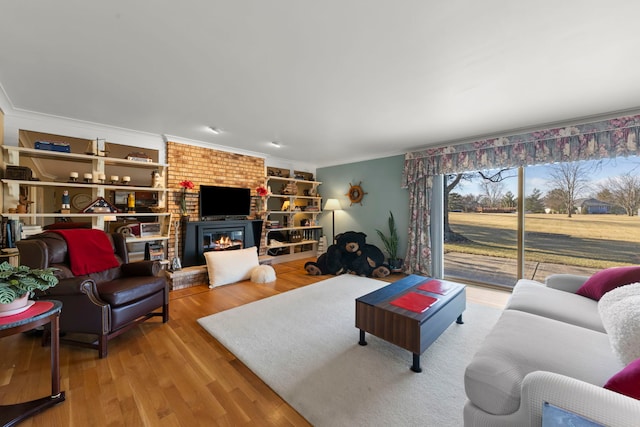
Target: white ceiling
x=333 y=81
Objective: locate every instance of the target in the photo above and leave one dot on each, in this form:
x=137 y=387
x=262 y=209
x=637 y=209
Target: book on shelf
x=437 y=287
x=3 y=233
x=11 y=232
x=414 y=301
x=30 y=230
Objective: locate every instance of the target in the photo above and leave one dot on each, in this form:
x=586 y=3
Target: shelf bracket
x=14 y=157
x=14 y=190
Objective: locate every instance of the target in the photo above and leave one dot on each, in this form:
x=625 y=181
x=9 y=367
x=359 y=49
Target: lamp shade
x=332 y=205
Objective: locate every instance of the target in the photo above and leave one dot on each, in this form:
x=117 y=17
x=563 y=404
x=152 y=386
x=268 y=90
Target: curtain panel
x=611 y=138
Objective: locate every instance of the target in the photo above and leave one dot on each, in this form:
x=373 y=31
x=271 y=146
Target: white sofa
x=549 y=345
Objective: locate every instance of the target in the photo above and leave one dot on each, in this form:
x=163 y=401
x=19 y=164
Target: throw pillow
x=620 y=313
x=627 y=381
x=605 y=280
x=226 y=267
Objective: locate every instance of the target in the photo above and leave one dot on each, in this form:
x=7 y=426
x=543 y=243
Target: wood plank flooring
x=172 y=374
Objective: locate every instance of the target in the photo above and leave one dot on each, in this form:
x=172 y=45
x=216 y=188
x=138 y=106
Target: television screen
x=224 y=201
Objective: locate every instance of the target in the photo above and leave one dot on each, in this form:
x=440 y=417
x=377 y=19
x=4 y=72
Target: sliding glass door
x=575 y=218
x=480 y=226
x=581 y=217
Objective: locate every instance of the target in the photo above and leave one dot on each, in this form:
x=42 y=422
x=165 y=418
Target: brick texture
x=204 y=166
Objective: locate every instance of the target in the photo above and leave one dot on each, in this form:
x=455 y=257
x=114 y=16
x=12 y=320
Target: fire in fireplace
x=227 y=243
x=223 y=240
x=200 y=237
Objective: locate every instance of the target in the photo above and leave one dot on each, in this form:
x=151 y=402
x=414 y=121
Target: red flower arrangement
x=262 y=190
x=187 y=185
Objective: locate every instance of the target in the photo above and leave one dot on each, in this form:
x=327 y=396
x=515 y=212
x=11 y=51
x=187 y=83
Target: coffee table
x=43 y=312
x=408 y=329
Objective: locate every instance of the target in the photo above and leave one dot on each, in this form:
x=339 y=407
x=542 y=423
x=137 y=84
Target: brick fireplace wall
x=209 y=167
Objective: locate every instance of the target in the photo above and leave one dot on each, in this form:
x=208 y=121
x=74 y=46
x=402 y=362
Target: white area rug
x=304 y=345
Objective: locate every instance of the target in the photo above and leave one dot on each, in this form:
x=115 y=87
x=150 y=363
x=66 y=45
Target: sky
x=538 y=176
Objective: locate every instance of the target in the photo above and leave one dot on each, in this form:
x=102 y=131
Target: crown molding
x=203 y=144
x=5 y=102
x=17 y=119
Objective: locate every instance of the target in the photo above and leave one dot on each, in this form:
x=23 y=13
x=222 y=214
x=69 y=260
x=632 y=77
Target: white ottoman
x=263 y=274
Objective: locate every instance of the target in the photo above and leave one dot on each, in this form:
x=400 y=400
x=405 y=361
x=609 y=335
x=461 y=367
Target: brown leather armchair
x=106 y=303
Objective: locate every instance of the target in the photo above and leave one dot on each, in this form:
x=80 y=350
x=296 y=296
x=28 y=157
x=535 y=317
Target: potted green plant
x=391 y=245
x=18 y=283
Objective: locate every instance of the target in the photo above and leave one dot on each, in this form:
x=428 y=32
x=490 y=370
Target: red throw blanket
x=90 y=250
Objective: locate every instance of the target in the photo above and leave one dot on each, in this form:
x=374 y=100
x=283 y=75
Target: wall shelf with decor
x=293 y=205
x=38 y=181
x=145 y=240
x=41 y=191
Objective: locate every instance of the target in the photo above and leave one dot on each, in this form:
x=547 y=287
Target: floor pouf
x=263 y=274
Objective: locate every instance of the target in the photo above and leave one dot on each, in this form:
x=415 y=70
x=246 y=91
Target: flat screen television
x=224 y=201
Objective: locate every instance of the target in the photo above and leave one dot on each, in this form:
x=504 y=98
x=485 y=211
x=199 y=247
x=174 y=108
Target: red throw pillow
x=605 y=280
x=627 y=381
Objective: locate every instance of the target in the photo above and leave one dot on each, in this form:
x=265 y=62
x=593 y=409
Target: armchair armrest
x=68 y=286
x=141 y=268
x=603 y=406
x=566 y=282
x=33 y=253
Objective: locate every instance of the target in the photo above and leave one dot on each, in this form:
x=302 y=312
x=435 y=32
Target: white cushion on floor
x=225 y=267
x=263 y=274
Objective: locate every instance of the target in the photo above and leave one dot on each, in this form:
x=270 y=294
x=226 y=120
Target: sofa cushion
x=536 y=298
x=521 y=343
x=620 y=312
x=627 y=381
x=605 y=280
x=226 y=267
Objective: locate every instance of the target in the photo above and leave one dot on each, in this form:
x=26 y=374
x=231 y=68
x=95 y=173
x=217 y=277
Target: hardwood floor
x=172 y=374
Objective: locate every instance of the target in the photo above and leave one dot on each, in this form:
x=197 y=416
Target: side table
x=39 y=314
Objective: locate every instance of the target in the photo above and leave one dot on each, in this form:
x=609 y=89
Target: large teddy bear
x=370 y=262
x=350 y=254
x=338 y=257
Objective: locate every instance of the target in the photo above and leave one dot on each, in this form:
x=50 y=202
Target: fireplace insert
x=203 y=236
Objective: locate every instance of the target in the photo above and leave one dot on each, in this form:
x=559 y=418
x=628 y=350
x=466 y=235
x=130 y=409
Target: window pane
x=481 y=227
x=581 y=217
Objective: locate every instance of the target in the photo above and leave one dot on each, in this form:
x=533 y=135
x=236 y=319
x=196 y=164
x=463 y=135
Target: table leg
x=55 y=356
x=10 y=415
x=362 y=340
x=416 y=363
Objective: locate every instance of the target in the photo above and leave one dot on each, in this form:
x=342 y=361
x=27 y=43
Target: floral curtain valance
x=596 y=140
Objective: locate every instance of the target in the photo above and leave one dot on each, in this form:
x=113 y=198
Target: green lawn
x=597 y=241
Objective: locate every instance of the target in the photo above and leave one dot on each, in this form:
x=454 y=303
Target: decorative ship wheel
x=356 y=193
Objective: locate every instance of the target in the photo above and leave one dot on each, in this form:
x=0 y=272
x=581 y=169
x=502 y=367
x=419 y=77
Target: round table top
x=37 y=311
